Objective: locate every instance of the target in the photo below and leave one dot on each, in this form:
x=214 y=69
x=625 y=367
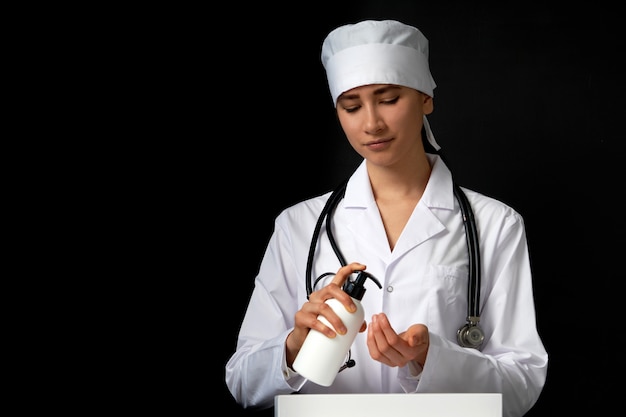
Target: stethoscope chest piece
x=470 y=336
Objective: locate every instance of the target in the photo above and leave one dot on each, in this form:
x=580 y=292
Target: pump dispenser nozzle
x=355 y=288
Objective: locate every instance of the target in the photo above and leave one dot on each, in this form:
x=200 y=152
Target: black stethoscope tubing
x=326 y=212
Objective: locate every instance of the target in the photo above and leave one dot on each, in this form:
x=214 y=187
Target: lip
x=377 y=145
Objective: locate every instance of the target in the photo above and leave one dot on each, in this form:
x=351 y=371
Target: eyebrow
x=378 y=91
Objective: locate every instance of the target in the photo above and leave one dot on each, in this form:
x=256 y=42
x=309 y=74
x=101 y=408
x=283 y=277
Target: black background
x=529 y=107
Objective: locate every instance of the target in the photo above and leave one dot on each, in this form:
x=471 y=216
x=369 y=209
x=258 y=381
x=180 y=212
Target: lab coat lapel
x=422 y=225
x=362 y=217
x=424 y=222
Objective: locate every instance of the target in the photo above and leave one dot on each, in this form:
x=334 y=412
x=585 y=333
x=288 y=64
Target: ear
x=427 y=105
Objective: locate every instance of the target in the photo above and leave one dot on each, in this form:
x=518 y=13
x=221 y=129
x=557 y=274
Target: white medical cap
x=378 y=52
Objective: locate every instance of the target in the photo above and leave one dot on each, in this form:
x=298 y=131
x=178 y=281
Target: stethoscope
x=469 y=335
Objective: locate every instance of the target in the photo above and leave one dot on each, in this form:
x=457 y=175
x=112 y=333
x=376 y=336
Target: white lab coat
x=424 y=280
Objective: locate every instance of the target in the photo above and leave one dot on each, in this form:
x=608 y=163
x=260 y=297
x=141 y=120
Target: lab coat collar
x=438 y=192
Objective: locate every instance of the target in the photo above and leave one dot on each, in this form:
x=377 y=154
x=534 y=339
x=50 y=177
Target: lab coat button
x=390 y=288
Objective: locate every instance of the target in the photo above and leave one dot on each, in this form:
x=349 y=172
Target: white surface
x=388 y=405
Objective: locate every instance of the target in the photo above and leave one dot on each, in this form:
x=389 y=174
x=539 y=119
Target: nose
x=374 y=123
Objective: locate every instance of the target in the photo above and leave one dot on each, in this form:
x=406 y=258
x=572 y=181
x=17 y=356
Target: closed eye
x=392 y=101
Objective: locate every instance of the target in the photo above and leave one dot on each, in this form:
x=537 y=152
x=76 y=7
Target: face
x=383 y=122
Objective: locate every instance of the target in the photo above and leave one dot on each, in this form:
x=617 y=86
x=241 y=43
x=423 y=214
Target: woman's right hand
x=306 y=317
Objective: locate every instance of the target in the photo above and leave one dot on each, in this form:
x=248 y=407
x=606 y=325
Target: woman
x=400 y=221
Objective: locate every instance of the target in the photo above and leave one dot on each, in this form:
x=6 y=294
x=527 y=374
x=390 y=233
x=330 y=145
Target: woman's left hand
x=396 y=349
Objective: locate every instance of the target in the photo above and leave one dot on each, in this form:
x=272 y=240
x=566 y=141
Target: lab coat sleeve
x=512 y=360
x=257 y=371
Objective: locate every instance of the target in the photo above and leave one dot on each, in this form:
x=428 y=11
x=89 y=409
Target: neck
x=400 y=181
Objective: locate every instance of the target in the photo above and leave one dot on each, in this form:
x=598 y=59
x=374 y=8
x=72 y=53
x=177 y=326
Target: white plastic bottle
x=321 y=357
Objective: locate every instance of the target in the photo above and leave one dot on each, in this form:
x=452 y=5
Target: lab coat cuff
x=292 y=378
x=409 y=377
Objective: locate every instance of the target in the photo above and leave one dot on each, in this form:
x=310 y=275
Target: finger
x=415 y=335
x=318 y=316
x=390 y=345
x=375 y=343
x=335 y=289
x=385 y=335
x=401 y=349
x=344 y=272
